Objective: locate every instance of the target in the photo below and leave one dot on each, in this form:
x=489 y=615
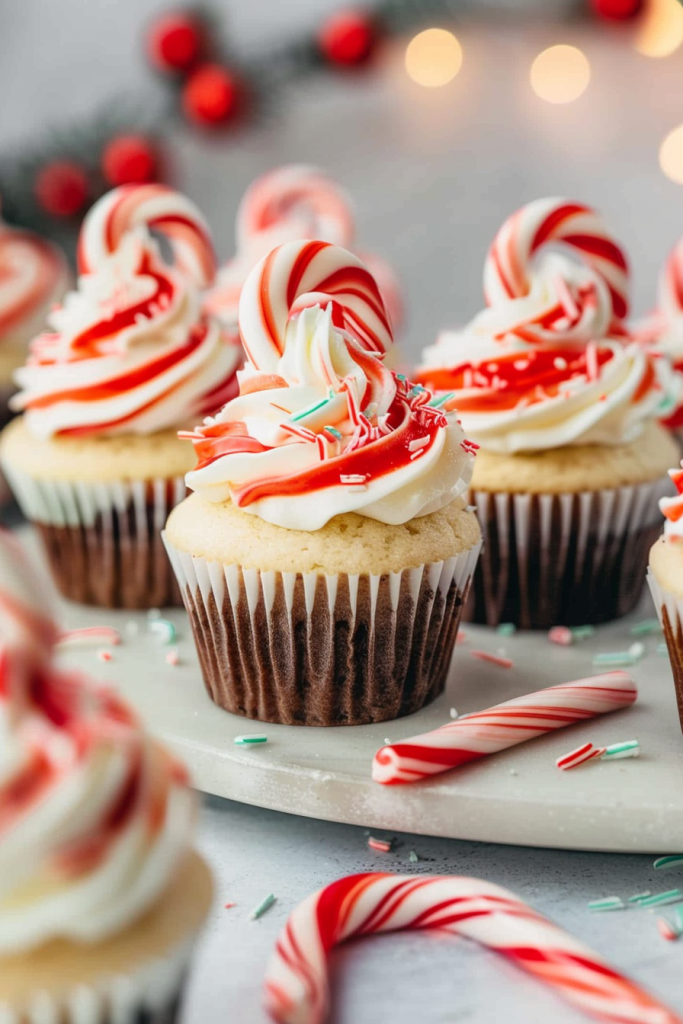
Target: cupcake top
x=672 y=509
x=321 y=427
x=285 y=205
x=94 y=817
x=662 y=333
x=130 y=350
x=549 y=363
x=33 y=276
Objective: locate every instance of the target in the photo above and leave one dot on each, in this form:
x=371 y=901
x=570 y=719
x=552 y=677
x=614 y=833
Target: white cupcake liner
x=104 y=539
x=317 y=649
x=564 y=558
x=151 y=994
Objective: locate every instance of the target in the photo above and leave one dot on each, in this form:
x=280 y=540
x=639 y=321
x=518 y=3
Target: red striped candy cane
x=301 y=274
x=151 y=206
x=296 y=985
x=505 y=725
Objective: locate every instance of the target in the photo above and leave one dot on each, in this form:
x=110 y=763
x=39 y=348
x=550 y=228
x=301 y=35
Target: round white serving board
x=517 y=796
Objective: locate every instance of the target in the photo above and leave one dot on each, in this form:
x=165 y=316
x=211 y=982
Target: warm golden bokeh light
x=661 y=30
x=671 y=155
x=433 y=57
x=560 y=74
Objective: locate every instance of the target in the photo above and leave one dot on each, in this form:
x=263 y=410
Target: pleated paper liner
x=312 y=649
x=670 y=611
x=103 y=540
x=567 y=559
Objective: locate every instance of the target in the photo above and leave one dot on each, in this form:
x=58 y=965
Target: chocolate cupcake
x=665 y=577
x=564 y=406
x=327 y=552
x=101 y=897
x=95 y=461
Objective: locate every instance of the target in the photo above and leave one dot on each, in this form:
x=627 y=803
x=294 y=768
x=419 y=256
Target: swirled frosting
x=662 y=332
x=549 y=363
x=94 y=816
x=329 y=429
x=33 y=276
x=672 y=509
x=129 y=351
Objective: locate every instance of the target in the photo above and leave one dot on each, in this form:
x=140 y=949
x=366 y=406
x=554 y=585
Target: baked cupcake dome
x=327 y=552
x=129 y=360
x=563 y=405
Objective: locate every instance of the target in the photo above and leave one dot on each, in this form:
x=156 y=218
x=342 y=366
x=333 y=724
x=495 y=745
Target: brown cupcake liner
x=103 y=540
x=566 y=559
x=670 y=612
x=312 y=649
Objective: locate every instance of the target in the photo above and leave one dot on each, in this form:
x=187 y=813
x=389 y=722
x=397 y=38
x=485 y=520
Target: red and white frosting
x=321 y=426
x=94 y=816
x=672 y=509
x=131 y=351
x=285 y=205
x=33 y=276
x=548 y=363
x=297 y=987
x=662 y=333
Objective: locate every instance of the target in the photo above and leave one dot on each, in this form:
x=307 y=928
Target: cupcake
x=101 y=897
x=285 y=205
x=665 y=577
x=326 y=553
x=94 y=461
x=564 y=406
x=33 y=277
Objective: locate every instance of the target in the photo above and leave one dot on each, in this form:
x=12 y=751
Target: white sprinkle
x=154 y=613
x=352 y=478
x=637 y=650
x=453 y=713
x=559 y=363
x=419 y=442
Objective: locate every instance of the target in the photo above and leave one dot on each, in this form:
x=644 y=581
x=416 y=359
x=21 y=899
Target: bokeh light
x=671 y=155
x=660 y=32
x=433 y=57
x=560 y=74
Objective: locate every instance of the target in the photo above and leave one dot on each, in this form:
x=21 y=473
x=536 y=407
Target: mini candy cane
x=296 y=985
x=508 y=271
x=301 y=274
x=150 y=206
x=505 y=725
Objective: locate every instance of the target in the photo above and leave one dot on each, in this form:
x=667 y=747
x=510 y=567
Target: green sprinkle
x=413 y=857
x=582 y=632
x=639 y=896
x=629 y=748
x=439 y=400
x=645 y=628
x=307 y=412
x=613 y=658
x=401 y=376
x=668 y=862
x=165 y=629
x=264 y=905
x=506 y=629
x=607 y=903
x=670 y=896
x=335 y=433
x=244 y=741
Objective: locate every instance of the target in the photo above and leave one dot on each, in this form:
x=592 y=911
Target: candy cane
x=150 y=206
x=296 y=986
x=303 y=197
x=505 y=725
x=508 y=271
x=301 y=274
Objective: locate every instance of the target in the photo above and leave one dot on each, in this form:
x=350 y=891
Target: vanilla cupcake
x=327 y=552
x=33 y=277
x=101 y=897
x=129 y=358
x=564 y=406
x=665 y=577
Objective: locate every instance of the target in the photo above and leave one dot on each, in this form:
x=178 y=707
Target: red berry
x=347 y=38
x=129 y=160
x=175 y=42
x=617 y=10
x=62 y=188
x=210 y=95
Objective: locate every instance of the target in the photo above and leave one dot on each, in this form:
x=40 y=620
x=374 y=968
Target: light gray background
x=433 y=173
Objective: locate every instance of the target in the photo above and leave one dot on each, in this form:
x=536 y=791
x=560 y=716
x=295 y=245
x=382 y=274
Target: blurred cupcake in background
x=288 y=204
x=95 y=461
x=565 y=407
x=327 y=551
x=101 y=896
x=665 y=577
x=33 y=277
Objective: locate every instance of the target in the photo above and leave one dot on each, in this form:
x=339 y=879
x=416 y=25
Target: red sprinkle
x=493 y=658
x=461 y=637
x=383 y=845
x=561 y=635
x=105 y=655
x=172 y=658
x=666 y=929
x=229 y=906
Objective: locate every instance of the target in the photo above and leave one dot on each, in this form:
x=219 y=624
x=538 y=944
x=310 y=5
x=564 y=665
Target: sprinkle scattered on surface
x=645 y=627
x=493 y=658
x=660 y=898
x=561 y=635
x=506 y=629
x=613 y=659
x=104 y=655
x=461 y=637
x=637 y=649
x=244 y=741
x=453 y=713
x=583 y=632
x=672 y=861
x=173 y=658
x=607 y=903
x=91 y=634
x=618 y=751
x=229 y=905
x=164 y=629
x=381 y=845
x=264 y=905
x=667 y=929
x=153 y=613
x=586 y=752
x=413 y=858
x=639 y=896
